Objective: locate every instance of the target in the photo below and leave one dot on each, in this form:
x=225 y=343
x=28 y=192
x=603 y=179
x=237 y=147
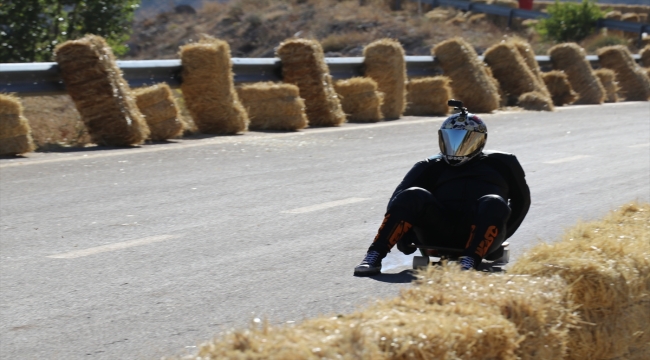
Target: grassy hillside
x=254 y=28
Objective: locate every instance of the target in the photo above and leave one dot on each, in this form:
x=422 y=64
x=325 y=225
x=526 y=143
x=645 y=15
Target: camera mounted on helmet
x=462 y=136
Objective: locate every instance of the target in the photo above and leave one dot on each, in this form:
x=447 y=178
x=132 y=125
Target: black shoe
x=371 y=264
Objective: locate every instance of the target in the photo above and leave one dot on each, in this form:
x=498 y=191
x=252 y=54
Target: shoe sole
x=367 y=273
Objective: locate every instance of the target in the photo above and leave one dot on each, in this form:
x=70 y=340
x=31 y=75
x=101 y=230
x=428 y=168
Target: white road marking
x=326 y=205
x=113 y=247
x=566 y=159
x=639 y=146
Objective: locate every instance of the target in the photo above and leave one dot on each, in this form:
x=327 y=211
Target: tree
x=30 y=29
x=570 y=21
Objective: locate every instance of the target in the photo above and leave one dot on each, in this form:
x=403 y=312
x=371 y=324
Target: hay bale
x=607 y=264
x=470 y=82
x=160 y=110
x=273 y=106
x=208 y=87
x=535 y=101
x=613 y=15
x=384 y=62
x=15 y=134
x=559 y=87
x=527 y=52
x=303 y=64
x=645 y=56
x=631 y=17
x=360 y=99
x=100 y=93
x=570 y=58
x=634 y=82
x=607 y=77
x=428 y=96
x=513 y=74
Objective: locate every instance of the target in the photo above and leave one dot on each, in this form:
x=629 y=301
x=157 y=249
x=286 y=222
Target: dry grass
x=634 y=83
x=428 y=96
x=607 y=77
x=360 y=99
x=607 y=263
x=384 y=62
x=585 y=297
x=470 y=82
x=559 y=87
x=303 y=64
x=273 y=106
x=570 y=58
x=15 y=137
x=101 y=95
x=209 y=90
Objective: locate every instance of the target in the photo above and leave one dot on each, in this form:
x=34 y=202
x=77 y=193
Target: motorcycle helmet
x=462 y=136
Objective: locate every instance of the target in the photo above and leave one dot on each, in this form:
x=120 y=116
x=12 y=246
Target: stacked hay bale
x=527 y=52
x=100 y=93
x=570 y=58
x=614 y=15
x=470 y=81
x=609 y=273
x=273 y=106
x=384 y=62
x=634 y=82
x=631 y=17
x=360 y=99
x=488 y=317
x=208 y=87
x=15 y=134
x=607 y=77
x=516 y=78
x=559 y=87
x=160 y=110
x=536 y=101
x=428 y=96
x=645 y=56
x=303 y=64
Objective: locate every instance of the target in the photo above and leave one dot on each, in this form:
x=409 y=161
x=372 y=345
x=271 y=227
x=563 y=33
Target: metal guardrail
x=38 y=79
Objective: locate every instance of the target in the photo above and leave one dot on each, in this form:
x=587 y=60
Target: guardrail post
x=510 y=16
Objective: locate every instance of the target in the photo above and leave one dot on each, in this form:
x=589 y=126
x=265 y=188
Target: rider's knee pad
x=493 y=206
x=413 y=197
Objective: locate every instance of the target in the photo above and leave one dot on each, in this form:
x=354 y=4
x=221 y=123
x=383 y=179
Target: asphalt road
x=145 y=252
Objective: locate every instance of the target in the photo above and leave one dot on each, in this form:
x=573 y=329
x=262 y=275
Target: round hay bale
x=384 y=62
x=634 y=82
x=470 y=82
x=645 y=56
x=512 y=72
x=570 y=58
x=15 y=133
x=535 y=101
x=160 y=110
x=613 y=15
x=607 y=77
x=208 y=88
x=558 y=85
x=303 y=64
x=100 y=93
x=273 y=106
x=360 y=99
x=428 y=96
x=631 y=17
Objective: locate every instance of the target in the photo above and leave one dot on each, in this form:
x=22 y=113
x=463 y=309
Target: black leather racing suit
x=474 y=206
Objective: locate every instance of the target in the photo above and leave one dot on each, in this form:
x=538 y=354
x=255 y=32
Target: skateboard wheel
x=420 y=262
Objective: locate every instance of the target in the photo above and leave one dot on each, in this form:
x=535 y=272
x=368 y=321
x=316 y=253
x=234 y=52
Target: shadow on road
x=405 y=276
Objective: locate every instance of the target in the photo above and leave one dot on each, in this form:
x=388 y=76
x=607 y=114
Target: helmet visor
x=455 y=142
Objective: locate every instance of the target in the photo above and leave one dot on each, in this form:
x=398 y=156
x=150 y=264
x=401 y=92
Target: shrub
x=570 y=21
